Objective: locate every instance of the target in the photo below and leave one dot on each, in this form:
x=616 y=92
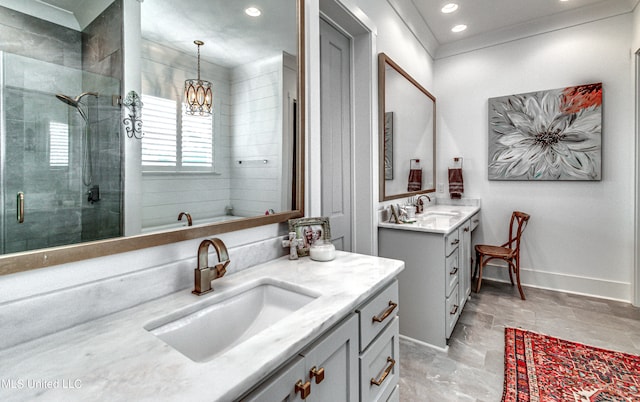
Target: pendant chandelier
x=198 y=95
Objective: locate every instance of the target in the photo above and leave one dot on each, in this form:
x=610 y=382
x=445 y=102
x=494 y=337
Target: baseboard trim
x=439 y=349
x=581 y=285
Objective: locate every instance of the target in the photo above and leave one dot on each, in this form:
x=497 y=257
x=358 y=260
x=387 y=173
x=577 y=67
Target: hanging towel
x=415 y=180
x=456 y=186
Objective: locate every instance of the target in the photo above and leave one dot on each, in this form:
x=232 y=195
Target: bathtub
x=183 y=223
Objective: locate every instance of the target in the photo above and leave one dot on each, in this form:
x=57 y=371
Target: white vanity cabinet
x=379 y=345
x=356 y=361
x=325 y=371
x=436 y=281
x=464 y=256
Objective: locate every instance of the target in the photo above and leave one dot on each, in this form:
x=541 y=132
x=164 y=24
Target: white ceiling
x=233 y=38
x=492 y=21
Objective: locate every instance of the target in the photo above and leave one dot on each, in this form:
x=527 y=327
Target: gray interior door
x=335 y=84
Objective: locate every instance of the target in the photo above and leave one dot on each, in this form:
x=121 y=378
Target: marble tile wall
x=39 y=39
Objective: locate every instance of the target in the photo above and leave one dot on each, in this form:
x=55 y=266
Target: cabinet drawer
x=452 y=272
x=475 y=221
x=380 y=366
x=395 y=395
x=377 y=313
x=451 y=242
x=452 y=311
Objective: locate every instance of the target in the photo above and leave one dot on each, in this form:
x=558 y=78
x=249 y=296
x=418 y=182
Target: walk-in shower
x=83 y=110
x=60 y=147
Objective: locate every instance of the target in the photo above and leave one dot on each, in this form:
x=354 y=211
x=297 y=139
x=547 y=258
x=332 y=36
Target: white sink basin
x=214 y=328
x=437 y=214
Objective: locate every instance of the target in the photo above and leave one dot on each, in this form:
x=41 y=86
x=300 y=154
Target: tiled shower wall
x=102 y=45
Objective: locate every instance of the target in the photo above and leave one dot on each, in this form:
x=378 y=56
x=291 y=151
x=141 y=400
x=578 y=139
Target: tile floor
x=472 y=368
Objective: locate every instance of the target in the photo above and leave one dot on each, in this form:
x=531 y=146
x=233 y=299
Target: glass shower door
x=47 y=145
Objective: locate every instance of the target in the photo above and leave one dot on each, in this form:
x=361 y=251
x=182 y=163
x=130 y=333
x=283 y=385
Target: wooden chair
x=508 y=252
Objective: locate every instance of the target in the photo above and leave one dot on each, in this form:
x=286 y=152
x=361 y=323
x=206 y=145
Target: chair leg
x=517 y=269
x=475 y=270
x=480 y=264
x=509 y=268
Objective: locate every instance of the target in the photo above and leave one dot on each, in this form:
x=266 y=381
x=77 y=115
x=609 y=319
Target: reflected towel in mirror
x=456 y=185
x=415 y=180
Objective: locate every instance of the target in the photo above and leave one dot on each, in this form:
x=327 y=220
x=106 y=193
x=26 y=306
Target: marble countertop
x=115 y=358
x=440 y=218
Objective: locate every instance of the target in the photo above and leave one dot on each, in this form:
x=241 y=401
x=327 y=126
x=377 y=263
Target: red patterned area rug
x=540 y=368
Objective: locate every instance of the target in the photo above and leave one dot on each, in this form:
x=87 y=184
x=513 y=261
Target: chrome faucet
x=188 y=215
x=420 y=203
x=203 y=274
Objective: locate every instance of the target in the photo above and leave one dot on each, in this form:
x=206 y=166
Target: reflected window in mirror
x=173 y=139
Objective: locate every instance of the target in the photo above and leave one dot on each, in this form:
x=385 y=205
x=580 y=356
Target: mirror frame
x=47 y=257
x=383 y=61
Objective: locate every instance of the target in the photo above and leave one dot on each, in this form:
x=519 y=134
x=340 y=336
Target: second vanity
x=436 y=282
x=338 y=340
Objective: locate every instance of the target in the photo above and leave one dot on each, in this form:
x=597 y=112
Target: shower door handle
x=20 y=209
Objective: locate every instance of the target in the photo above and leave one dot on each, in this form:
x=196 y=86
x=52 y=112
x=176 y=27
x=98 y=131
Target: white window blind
x=160 y=135
x=58 y=144
x=197 y=141
x=186 y=144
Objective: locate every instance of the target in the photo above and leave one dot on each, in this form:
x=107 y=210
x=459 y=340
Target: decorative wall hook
x=133 y=123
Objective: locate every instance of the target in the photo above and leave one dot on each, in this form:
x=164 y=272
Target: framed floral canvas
x=547 y=135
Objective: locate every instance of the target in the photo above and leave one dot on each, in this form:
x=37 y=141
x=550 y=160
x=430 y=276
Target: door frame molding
x=355 y=24
x=635 y=283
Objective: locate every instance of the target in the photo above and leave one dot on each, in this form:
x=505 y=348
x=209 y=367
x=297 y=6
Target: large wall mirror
x=407 y=133
x=62 y=142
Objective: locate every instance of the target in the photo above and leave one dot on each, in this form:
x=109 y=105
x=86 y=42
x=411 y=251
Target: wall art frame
x=546 y=135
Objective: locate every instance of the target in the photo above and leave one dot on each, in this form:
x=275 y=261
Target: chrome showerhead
x=67 y=99
x=82 y=95
x=76 y=102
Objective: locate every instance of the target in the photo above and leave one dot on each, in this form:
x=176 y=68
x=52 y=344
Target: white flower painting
x=547 y=135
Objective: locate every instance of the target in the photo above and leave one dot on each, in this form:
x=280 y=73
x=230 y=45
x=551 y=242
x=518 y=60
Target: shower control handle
x=20 y=208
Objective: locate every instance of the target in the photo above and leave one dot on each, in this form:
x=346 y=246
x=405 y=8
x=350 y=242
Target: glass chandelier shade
x=198 y=94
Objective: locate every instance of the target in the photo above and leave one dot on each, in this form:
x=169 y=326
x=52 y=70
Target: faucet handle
x=221 y=269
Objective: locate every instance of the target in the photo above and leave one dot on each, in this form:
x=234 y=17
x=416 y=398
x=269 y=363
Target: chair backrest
x=516 y=226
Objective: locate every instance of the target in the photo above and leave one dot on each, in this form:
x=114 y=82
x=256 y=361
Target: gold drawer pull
x=317 y=373
x=385 y=374
x=387 y=312
x=455 y=309
x=304 y=389
x=454 y=271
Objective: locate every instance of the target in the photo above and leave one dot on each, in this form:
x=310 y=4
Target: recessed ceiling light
x=253 y=12
x=449 y=8
x=459 y=28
